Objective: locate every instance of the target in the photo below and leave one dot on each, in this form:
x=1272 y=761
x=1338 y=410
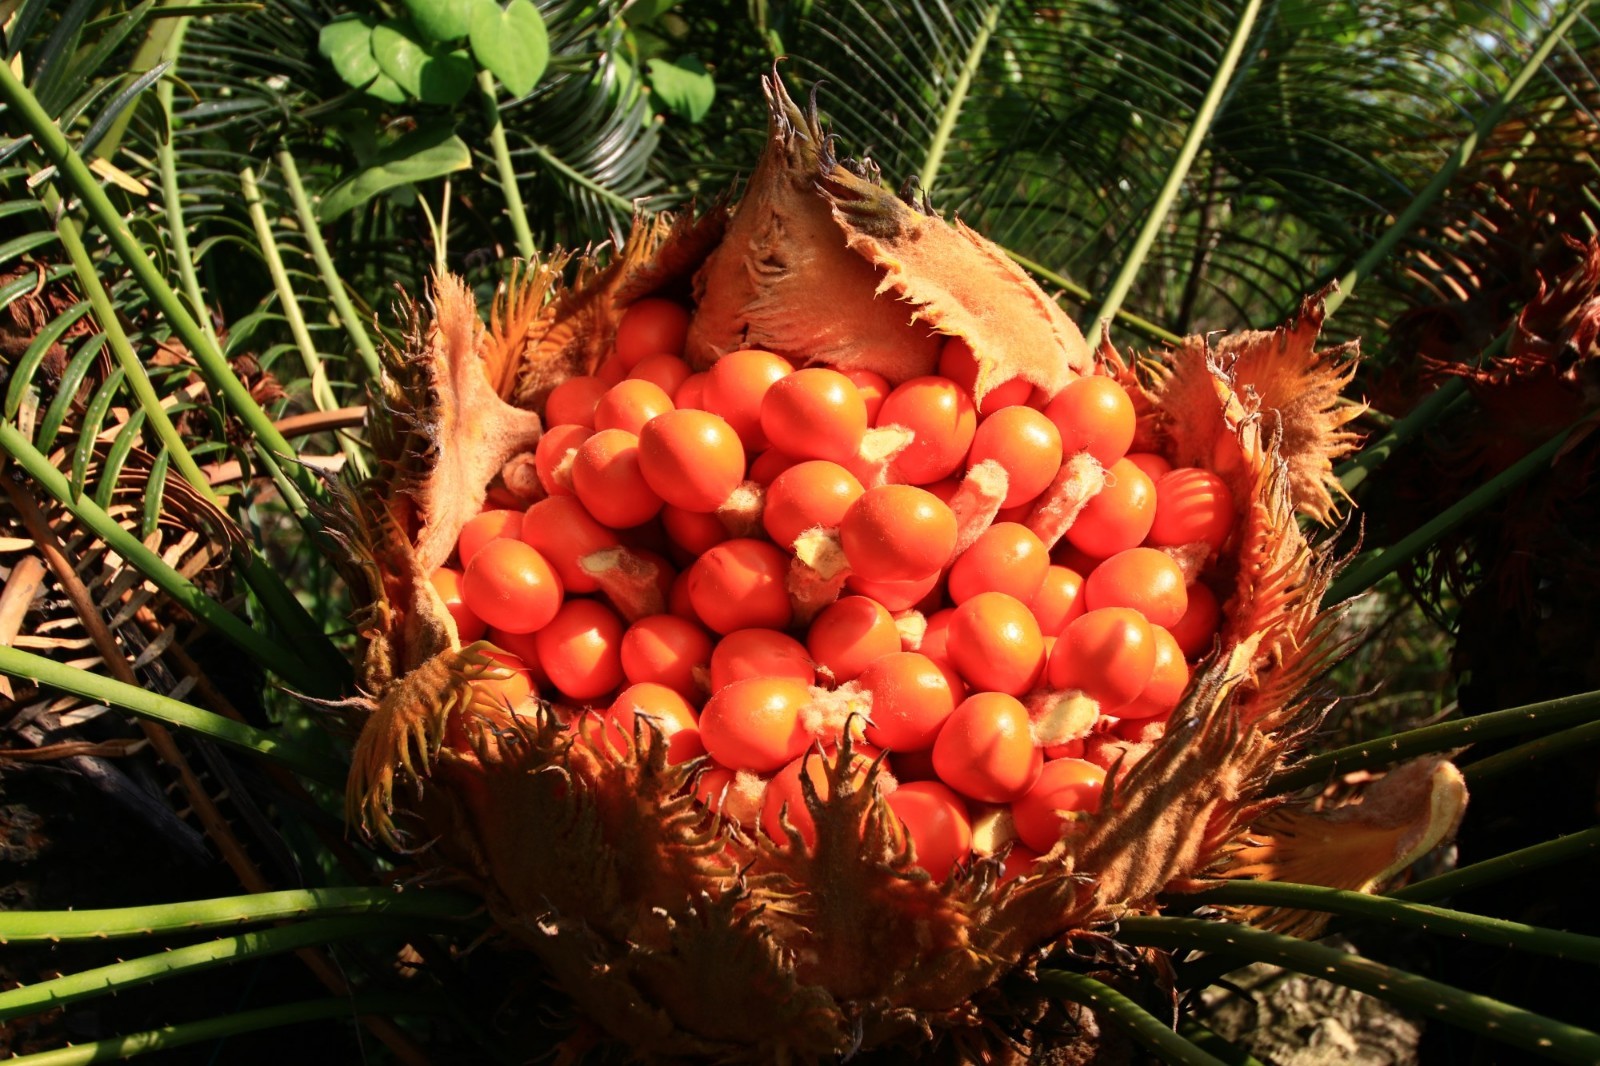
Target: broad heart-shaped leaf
x=347 y=44
x=429 y=152
x=511 y=43
x=684 y=85
x=430 y=73
x=442 y=20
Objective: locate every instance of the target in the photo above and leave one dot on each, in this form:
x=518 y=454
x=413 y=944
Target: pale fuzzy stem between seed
x=830 y=710
x=878 y=450
x=741 y=799
x=1078 y=481
x=561 y=473
x=630 y=581
x=740 y=513
x=977 y=501
x=1191 y=559
x=992 y=829
x=817 y=572
x=1057 y=717
x=912 y=625
x=521 y=478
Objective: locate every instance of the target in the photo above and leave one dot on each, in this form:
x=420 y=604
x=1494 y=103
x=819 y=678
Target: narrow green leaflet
x=1521 y=1028
x=1112 y=1006
x=1577 y=709
x=430 y=152
x=229 y=912
x=442 y=20
x=164 y=965
x=117 y=1048
x=511 y=43
x=683 y=85
x=158 y=708
x=1515 y=935
x=347 y=44
x=1509 y=864
x=330 y=275
x=951 y=111
x=44 y=434
x=431 y=73
x=23 y=370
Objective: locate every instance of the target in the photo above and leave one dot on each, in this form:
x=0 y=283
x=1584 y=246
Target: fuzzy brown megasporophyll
x=677 y=932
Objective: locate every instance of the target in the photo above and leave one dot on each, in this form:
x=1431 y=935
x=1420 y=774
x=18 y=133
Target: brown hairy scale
x=822 y=263
x=476 y=431
x=1358 y=846
x=680 y=934
x=1277 y=378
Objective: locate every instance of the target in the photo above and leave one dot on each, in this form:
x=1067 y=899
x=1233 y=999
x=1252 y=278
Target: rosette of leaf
x=680 y=934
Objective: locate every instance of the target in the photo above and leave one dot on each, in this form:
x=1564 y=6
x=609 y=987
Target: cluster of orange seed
x=759 y=558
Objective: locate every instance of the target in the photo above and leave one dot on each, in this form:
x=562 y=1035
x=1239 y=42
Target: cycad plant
x=207 y=360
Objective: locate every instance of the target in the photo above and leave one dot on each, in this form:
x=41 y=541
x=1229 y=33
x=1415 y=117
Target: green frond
x=1500 y=1021
x=176 y=1036
x=1127 y=1015
x=1059 y=148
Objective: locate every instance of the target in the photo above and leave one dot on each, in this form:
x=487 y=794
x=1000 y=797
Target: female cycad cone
x=750 y=793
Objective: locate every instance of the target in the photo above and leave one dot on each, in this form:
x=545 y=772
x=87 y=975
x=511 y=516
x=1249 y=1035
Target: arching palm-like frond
x=1054 y=129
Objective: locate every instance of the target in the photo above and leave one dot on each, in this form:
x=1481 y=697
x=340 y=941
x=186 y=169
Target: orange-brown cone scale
x=679 y=934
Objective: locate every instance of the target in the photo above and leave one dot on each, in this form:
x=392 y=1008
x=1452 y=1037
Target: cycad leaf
x=583 y=145
x=123 y=100
x=1075 y=114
